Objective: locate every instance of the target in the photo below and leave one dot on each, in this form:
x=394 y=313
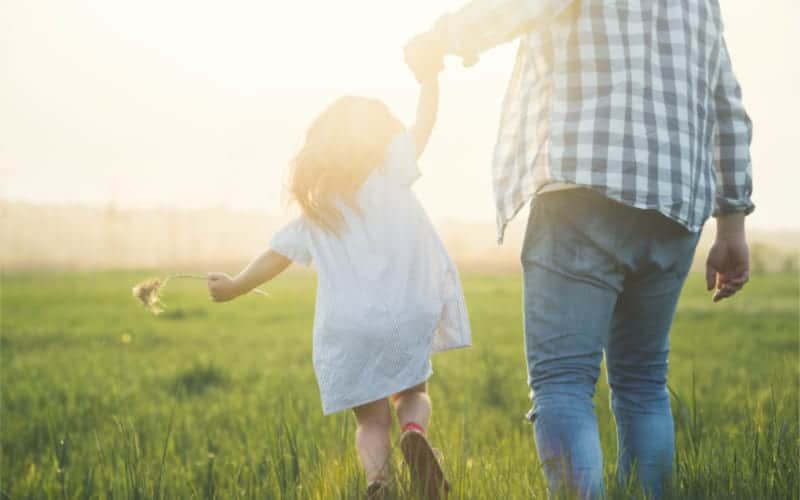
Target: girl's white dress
x=388 y=293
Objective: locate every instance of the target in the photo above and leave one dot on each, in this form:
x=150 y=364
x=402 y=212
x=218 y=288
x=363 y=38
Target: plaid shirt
x=635 y=99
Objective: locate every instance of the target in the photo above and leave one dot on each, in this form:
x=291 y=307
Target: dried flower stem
x=201 y=277
x=193 y=276
x=149 y=292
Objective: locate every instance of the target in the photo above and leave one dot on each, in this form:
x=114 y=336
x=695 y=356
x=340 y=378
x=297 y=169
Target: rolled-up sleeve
x=734 y=132
x=483 y=24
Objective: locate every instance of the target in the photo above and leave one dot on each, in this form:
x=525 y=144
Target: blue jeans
x=599 y=277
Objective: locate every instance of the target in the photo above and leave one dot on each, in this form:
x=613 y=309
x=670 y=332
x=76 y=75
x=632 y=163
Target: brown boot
x=377 y=490
x=426 y=471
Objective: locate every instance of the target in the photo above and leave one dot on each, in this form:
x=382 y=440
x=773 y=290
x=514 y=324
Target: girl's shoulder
x=400 y=160
x=292 y=241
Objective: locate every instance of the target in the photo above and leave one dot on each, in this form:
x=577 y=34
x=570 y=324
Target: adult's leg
x=636 y=357
x=571 y=282
x=373 y=438
x=564 y=354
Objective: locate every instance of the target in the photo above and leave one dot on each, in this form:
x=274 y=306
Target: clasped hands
x=424 y=55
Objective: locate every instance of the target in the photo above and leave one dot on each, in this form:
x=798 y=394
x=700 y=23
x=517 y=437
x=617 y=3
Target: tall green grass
x=102 y=400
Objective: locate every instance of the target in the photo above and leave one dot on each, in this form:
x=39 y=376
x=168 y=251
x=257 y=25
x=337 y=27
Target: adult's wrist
x=730 y=225
x=450 y=40
x=439 y=35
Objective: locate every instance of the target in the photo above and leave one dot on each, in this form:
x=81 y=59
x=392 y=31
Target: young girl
x=388 y=294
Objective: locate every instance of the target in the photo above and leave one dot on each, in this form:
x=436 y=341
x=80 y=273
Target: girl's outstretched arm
x=426 y=113
x=263 y=268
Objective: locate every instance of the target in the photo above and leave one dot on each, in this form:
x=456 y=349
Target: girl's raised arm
x=262 y=269
x=426 y=113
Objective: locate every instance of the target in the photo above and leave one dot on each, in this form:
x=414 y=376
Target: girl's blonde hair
x=343 y=145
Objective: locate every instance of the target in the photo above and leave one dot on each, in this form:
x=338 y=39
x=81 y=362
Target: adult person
x=623 y=123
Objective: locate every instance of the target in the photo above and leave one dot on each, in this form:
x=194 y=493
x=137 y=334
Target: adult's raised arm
x=476 y=27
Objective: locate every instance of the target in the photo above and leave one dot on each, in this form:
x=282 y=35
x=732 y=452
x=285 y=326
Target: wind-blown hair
x=343 y=145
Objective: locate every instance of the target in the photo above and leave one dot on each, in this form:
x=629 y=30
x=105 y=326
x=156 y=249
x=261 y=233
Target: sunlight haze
x=201 y=104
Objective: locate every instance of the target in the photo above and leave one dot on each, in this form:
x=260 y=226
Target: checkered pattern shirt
x=635 y=99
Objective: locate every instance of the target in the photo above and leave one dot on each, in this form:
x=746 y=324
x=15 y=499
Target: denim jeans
x=600 y=277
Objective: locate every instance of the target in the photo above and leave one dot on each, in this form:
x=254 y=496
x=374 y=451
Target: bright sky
x=196 y=104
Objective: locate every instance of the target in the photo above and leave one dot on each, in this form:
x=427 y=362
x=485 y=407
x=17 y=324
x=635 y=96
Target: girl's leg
x=413 y=406
x=414 y=411
x=373 y=438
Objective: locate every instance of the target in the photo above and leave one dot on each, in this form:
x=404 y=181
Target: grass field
x=102 y=400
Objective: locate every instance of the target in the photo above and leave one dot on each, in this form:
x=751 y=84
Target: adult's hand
x=424 y=54
x=728 y=263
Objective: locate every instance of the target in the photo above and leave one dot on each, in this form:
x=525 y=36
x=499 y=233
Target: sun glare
x=197 y=104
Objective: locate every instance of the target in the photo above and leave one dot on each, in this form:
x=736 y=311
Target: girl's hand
x=424 y=55
x=263 y=268
x=221 y=287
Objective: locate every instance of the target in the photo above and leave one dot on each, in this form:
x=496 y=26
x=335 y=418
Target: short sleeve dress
x=388 y=293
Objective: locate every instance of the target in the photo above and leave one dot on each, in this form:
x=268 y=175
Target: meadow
x=100 y=399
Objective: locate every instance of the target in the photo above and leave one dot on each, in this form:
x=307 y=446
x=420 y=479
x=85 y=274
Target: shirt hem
x=502 y=223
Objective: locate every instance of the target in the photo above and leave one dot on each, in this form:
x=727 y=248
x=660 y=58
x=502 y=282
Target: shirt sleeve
x=293 y=242
x=401 y=159
x=483 y=24
x=734 y=131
